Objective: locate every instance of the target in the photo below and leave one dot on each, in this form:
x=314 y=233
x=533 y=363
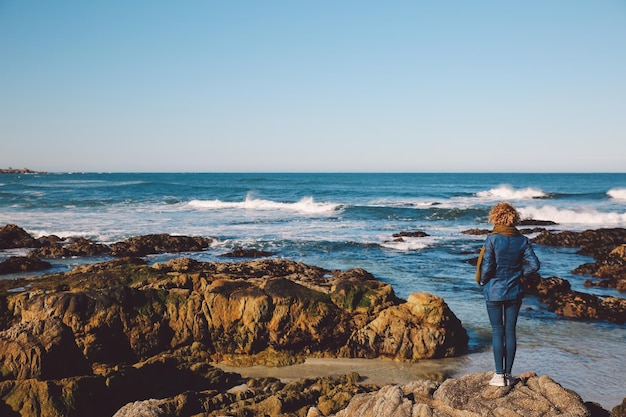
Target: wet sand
x=373 y=371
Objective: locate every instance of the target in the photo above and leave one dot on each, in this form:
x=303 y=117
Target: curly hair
x=504 y=214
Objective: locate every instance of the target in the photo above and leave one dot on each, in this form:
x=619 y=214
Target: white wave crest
x=617 y=194
x=506 y=192
x=305 y=205
x=587 y=216
x=405 y=246
x=408 y=244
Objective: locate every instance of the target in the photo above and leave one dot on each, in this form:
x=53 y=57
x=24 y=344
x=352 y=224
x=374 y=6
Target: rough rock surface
x=558 y=296
x=64 y=248
x=122 y=331
x=158 y=243
x=248 y=253
x=43 y=349
x=606 y=246
x=425 y=338
x=399 y=237
x=610 y=271
x=16 y=264
x=256 y=397
x=619 y=410
x=596 y=243
x=481 y=232
x=469 y=396
x=13 y=236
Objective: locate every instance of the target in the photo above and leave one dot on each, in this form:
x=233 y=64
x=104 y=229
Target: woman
x=505 y=257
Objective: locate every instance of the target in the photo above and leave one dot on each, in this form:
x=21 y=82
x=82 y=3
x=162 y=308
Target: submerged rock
x=248 y=253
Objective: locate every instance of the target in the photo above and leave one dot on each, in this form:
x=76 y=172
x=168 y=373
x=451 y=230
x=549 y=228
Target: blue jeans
x=503 y=318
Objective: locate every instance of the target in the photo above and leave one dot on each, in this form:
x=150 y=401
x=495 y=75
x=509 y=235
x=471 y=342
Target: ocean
x=347 y=220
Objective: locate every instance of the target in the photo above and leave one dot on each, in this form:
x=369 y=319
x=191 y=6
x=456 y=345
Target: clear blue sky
x=411 y=86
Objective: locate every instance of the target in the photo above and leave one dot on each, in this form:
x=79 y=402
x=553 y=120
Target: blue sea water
x=342 y=221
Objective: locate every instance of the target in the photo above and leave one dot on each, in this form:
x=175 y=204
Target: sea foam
x=617 y=194
x=305 y=205
x=586 y=216
x=506 y=192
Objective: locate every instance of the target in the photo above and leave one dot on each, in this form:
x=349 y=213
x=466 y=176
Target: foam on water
x=408 y=244
x=507 y=192
x=306 y=205
x=617 y=194
x=577 y=216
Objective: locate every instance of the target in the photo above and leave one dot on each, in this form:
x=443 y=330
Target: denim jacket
x=506 y=259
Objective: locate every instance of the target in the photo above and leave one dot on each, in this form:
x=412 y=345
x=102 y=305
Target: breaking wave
x=617 y=194
x=506 y=192
x=587 y=216
x=305 y=205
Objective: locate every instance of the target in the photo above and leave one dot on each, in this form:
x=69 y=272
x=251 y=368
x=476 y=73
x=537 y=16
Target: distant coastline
x=20 y=171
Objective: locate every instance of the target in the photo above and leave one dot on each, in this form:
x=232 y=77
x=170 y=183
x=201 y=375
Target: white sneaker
x=498 y=380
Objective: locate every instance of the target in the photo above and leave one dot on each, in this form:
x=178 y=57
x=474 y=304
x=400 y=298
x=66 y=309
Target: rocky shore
x=19 y=171
x=125 y=338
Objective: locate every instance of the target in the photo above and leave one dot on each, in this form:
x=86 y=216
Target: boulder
x=122 y=331
x=68 y=397
x=619 y=410
x=610 y=270
x=417 y=233
x=596 y=243
x=257 y=397
x=16 y=264
x=248 y=253
x=470 y=396
x=533 y=222
x=524 y=231
x=13 y=236
x=159 y=243
x=556 y=293
x=43 y=349
x=125 y=310
x=59 y=248
x=423 y=327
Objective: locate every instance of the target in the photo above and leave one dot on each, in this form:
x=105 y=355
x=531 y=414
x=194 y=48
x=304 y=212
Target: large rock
x=619 y=410
x=423 y=327
x=43 y=349
x=64 y=248
x=68 y=397
x=159 y=243
x=13 y=236
x=258 y=312
x=248 y=253
x=256 y=397
x=610 y=270
x=558 y=296
x=469 y=396
x=16 y=264
x=596 y=243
